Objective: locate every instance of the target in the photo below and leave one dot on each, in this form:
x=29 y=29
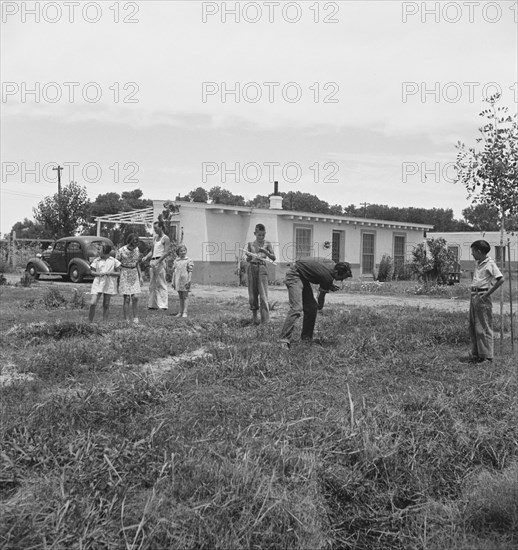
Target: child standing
x=182 y=273
x=131 y=278
x=105 y=271
x=486 y=279
x=258 y=274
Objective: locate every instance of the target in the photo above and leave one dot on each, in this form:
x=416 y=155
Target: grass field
x=203 y=433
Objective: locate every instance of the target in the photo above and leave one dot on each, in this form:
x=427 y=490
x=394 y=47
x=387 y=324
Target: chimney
x=275 y=199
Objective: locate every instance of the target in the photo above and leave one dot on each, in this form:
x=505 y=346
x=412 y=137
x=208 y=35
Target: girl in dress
x=131 y=276
x=105 y=271
x=182 y=273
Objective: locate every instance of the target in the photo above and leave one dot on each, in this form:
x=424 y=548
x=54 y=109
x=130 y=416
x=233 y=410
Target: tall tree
x=482 y=217
x=113 y=203
x=132 y=200
x=259 y=201
x=222 y=196
x=64 y=215
x=27 y=229
x=196 y=195
x=304 y=202
x=441 y=219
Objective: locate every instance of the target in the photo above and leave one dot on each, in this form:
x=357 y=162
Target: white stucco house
x=215 y=233
x=460 y=244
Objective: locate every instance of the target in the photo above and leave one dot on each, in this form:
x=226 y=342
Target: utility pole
x=59 y=168
x=364 y=204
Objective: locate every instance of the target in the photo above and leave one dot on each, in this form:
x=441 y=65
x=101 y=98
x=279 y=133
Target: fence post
x=13 y=249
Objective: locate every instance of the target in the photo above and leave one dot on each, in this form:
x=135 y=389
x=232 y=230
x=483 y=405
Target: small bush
x=386 y=269
x=428 y=289
x=3 y=280
x=78 y=300
x=5 y=267
x=26 y=280
x=53 y=299
x=403 y=272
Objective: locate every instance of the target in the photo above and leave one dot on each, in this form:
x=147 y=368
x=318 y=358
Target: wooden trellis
x=144 y=216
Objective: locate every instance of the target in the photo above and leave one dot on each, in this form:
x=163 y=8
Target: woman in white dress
x=131 y=276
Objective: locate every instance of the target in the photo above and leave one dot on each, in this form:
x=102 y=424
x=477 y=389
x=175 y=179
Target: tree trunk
x=510 y=292
x=502 y=248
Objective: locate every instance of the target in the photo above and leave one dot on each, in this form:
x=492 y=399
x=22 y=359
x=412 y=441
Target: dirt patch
x=10 y=375
x=280 y=294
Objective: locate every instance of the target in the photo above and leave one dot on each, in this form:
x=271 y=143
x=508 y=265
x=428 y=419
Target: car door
x=57 y=259
x=74 y=250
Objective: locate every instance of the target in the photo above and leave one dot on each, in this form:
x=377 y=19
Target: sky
x=353 y=101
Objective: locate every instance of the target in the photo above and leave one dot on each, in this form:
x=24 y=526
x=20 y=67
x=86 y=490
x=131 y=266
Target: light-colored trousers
x=258 y=290
x=481 y=326
x=158 y=297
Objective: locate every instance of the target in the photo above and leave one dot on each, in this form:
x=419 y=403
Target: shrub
x=78 y=300
x=433 y=261
x=403 y=272
x=53 y=299
x=386 y=269
x=26 y=280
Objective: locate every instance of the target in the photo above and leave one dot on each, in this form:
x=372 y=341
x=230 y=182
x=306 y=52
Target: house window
x=303 y=241
x=500 y=255
x=399 y=251
x=368 y=253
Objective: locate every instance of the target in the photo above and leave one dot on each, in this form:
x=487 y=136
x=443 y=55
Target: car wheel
x=75 y=274
x=32 y=271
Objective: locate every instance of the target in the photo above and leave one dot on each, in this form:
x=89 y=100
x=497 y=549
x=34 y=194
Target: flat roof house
x=215 y=233
x=460 y=244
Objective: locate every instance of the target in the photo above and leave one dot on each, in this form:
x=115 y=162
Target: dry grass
x=378 y=437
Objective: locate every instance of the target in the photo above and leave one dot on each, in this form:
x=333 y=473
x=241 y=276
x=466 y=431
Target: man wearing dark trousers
x=299 y=278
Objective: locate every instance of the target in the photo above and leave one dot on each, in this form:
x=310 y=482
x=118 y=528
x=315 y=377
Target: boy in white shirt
x=486 y=279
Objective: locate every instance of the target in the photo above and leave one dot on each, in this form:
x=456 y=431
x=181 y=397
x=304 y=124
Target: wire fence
x=16 y=252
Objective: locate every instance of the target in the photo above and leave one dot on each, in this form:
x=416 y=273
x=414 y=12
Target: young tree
x=490 y=174
x=64 y=215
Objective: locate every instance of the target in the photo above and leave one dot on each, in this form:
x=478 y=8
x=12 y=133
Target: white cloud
x=170 y=52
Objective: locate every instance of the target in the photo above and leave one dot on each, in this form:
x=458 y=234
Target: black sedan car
x=70 y=257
